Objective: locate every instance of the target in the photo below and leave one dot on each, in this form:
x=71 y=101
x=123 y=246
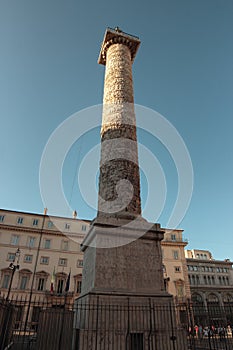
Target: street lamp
x=13 y=266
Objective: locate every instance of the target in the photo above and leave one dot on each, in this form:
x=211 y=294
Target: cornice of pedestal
x=116 y=36
x=112 y=232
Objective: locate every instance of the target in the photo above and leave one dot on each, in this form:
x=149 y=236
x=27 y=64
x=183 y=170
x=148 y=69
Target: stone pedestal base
x=123 y=256
x=123 y=304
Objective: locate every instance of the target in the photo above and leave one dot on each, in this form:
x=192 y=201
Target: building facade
x=174 y=264
x=211 y=286
x=48 y=249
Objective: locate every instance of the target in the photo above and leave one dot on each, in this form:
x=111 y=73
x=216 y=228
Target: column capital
x=116 y=36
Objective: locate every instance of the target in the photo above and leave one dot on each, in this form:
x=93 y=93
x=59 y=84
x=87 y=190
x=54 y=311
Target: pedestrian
x=196 y=330
x=200 y=330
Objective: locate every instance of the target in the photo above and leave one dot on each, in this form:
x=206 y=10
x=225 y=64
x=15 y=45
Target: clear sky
x=183 y=70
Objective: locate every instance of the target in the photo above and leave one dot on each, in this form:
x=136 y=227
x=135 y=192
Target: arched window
x=228 y=298
x=213 y=304
x=41 y=280
x=212 y=298
x=228 y=306
x=78 y=283
x=197 y=299
x=5 y=278
x=60 y=284
x=24 y=279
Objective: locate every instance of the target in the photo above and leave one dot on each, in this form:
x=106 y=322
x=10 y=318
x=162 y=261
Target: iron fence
x=58 y=324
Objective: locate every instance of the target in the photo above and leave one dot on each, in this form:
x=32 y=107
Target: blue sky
x=183 y=70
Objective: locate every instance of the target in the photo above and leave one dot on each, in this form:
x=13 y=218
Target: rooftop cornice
x=209 y=261
x=42 y=215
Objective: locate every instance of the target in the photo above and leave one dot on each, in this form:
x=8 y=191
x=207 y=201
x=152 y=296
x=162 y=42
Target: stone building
x=211 y=285
x=174 y=264
x=49 y=249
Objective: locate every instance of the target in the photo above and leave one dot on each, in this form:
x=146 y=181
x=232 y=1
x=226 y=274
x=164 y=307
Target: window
x=19 y=315
x=47 y=243
x=44 y=260
x=62 y=262
x=173 y=237
x=175 y=254
x=136 y=341
x=41 y=284
x=80 y=263
x=64 y=245
x=28 y=258
x=195 y=268
x=219 y=269
x=177 y=269
x=5 y=282
x=20 y=220
x=35 y=222
x=2 y=218
x=180 y=290
x=14 y=239
x=35 y=317
x=84 y=227
x=23 y=282
x=31 y=242
x=67 y=226
x=60 y=285
x=78 y=286
x=50 y=224
x=11 y=256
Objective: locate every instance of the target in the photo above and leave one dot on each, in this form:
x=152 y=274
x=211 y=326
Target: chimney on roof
x=75 y=214
x=45 y=211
